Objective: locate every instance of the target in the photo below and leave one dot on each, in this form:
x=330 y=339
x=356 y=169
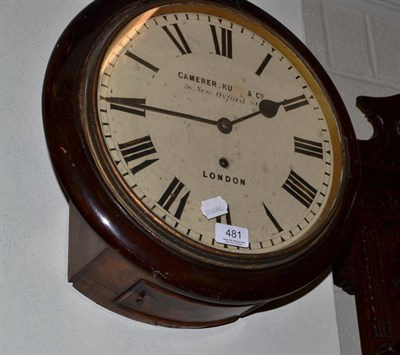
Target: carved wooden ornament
x=370 y=269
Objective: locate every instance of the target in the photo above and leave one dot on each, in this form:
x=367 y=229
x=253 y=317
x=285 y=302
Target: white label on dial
x=231 y=235
x=214 y=207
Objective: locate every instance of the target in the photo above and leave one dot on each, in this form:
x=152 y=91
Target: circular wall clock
x=209 y=162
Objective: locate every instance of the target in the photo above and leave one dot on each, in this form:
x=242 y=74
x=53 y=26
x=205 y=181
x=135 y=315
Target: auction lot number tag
x=231 y=235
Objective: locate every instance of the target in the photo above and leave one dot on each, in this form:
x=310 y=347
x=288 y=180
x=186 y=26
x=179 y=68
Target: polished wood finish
x=110 y=280
x=371 y=268
x=113 y=259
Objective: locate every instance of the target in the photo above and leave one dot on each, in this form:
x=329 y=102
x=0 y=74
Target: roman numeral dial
x=294 y=103
x=308 y=147
x=178 y=39
x=225 y=219
x=222 y=39
x=135 y=150
x=300 y=189
x=173 y=195
x=195 y=105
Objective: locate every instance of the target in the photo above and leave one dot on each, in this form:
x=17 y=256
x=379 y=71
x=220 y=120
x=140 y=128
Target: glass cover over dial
x=196 y=103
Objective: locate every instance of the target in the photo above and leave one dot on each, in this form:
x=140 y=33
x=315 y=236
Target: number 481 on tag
x=231 y=235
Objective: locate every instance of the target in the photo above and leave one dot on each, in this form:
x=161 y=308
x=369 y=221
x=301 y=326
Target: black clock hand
x=137 y=103
x=244 y=118
x=270 y=108
x=267 y=107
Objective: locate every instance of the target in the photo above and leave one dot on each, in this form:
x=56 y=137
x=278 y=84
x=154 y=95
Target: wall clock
x=208 y=160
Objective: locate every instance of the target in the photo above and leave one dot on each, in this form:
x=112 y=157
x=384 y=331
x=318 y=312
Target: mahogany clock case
x=197 y=273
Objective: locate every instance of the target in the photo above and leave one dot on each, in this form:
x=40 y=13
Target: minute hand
x=135 y=103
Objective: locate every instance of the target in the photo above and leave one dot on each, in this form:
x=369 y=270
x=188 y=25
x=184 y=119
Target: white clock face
x=194 y=104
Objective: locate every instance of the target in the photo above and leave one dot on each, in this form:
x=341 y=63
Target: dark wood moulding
x=370 y=269
x=113 y=259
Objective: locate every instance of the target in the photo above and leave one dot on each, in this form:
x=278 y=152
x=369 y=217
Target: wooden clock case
x=117 y=263
x=370 y=268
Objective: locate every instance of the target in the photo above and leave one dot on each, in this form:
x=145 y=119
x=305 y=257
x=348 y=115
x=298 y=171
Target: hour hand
x=125 y=102
x=270 y=108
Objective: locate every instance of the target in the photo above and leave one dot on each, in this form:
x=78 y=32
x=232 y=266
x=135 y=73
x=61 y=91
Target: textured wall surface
x=358 y=43
x=359 y=46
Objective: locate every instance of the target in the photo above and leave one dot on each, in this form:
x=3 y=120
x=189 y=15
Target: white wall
x=40 y=312
x=358 y=42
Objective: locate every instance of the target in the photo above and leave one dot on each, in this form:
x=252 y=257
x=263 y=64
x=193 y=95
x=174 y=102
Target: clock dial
x=194 y=104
